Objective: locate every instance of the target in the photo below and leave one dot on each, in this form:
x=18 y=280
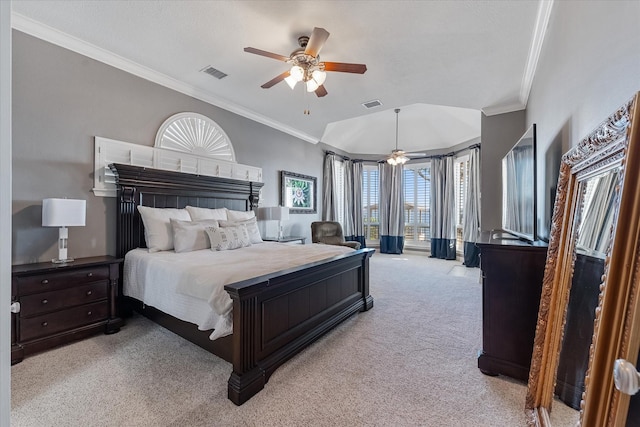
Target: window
x=417 y=200
x=370 y=202
x=461 y=181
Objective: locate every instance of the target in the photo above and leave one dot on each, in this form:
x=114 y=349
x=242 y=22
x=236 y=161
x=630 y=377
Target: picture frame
x=298 y=192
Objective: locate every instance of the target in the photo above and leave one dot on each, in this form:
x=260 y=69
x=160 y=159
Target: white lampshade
x=291 y=81
x=275 y=213
x=63 y=212
x=312 y=85
x=297 y=73
x=319 y=76
x=402 y=160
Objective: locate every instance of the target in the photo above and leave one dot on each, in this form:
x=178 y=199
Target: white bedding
x=190 y=285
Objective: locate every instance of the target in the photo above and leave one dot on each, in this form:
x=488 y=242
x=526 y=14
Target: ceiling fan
x=306 y=65
x=398 y=156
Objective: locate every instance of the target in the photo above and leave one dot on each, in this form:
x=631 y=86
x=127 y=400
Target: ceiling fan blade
x=275 y=80
x=321 y=91
x=318 y=37
x=415 y=154
x=267 y=54
x=345 y=67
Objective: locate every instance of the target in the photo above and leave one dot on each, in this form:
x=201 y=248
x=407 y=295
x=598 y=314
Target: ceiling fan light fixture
x=401 y=160
x=319 y=76
x=291 y=82
x=297 y=73
x=312 y=85
x=391 y=161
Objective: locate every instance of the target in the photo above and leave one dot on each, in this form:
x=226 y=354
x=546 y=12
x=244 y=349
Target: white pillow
x=190 y=235
x=228 y=237
x=239 y=215
x=252 y=228
x=157 y=226
x=198 y=214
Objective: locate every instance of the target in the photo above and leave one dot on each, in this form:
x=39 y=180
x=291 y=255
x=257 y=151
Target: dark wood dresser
x=512 y=273
x=60 y=303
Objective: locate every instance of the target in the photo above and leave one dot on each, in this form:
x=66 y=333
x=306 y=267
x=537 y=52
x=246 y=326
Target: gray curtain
x=353 y=224
x=471 y=219
x=443 y=209
x=391 y=208
x=329 y=195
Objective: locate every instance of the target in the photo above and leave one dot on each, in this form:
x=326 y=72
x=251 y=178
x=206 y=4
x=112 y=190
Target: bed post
x=247 y=377
x=368 y=299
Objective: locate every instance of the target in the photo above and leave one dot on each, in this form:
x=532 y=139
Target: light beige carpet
x=410 y=361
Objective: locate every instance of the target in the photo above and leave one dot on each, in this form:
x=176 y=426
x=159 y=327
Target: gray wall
x=498 y=134
x=589 y=66
x=61 y=100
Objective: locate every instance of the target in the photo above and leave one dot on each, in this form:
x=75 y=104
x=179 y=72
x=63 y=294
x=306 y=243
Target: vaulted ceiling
x=440 y=62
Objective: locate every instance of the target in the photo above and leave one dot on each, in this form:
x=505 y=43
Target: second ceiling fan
x=398 y=156
x=305 y=63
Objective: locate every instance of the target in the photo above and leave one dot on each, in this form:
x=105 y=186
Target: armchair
x=330 y=233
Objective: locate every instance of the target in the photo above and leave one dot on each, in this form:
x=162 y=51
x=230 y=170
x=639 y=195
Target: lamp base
x=62 y=261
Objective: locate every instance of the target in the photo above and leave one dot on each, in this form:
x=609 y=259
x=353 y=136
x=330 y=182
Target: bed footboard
x=276 y=316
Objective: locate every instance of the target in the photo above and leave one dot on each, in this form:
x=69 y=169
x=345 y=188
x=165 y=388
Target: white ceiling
x=441 y=62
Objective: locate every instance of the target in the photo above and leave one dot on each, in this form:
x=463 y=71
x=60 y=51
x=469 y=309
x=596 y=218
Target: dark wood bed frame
x=275 y=316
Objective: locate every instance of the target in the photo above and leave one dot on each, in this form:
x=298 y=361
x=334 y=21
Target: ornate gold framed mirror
x=603 y=170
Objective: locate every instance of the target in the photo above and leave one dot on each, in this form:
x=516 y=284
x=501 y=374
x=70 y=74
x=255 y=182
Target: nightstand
x=285 y=239
x=60 y=303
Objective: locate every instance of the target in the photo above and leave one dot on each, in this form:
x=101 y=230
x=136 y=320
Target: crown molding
x=540 y=29
x=52 y=35
x=502 y=109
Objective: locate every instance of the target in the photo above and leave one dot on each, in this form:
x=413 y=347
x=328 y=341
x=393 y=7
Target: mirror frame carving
x=614 y=143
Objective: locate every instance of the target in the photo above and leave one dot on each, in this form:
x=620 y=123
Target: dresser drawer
x=37 y=283
x=48 y=324
x=36 y=304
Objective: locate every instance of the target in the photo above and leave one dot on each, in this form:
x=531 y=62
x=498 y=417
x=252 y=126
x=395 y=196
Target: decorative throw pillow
x=190 y=235
x=239 y=215
x=157 y=226
x=198 y=214
x=226 y=238
x=252 y=228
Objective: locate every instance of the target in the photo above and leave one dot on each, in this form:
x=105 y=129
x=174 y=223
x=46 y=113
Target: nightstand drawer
x=61 y=279
x=47 y=324
x=36 y=304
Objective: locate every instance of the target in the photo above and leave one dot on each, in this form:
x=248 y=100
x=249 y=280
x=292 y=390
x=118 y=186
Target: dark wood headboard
x=166 y=189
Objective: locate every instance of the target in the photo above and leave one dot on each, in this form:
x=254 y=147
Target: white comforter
x=203 y=274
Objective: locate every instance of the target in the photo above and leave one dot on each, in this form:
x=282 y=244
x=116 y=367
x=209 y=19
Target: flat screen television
x=519 y=188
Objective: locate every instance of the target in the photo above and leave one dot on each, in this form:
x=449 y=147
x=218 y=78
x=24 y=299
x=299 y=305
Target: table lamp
x=63 y=213
x=275 y=213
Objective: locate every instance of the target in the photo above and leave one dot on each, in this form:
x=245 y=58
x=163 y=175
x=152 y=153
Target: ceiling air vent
x=372 y=104
x=214 y=72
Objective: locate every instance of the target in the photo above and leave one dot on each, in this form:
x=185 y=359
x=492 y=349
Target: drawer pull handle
x=44 y=324
x=45 y=281
x=89 y=292
x=45 y=301
x=89 y=274
x=89 y=314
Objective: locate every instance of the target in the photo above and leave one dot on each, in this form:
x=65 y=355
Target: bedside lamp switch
x=15 y=307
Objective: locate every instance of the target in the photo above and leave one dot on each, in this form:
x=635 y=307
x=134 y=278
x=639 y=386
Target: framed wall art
x=298 y=192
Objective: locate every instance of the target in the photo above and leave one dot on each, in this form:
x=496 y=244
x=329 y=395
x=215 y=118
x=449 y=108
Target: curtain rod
x=343 y=157
x=434 y=156
x=453 y=153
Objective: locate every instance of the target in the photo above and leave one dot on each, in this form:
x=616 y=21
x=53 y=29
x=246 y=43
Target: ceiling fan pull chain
x=306 y=111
